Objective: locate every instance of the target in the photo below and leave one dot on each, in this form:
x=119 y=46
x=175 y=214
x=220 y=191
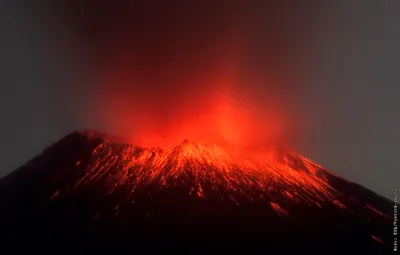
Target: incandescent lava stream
x=90 y=187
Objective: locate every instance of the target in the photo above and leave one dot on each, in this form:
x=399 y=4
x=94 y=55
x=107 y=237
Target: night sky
x=328 y=72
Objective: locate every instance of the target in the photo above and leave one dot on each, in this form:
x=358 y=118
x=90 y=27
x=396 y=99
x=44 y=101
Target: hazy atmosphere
x=328 y=72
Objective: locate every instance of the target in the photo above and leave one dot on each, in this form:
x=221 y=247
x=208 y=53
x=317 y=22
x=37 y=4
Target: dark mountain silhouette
x=88 y=190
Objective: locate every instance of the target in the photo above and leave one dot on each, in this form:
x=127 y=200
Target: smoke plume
x=209 y=71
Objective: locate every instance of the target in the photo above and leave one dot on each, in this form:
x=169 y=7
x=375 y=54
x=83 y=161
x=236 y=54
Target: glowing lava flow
x=206 y=169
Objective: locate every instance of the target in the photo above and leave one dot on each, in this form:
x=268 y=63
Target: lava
x=207 y=169
x=278 y=209
x=377 y=239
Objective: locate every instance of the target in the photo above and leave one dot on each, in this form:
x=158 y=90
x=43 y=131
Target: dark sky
x=336 y=66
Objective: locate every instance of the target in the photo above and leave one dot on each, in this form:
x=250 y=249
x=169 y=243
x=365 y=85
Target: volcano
x=88 y=189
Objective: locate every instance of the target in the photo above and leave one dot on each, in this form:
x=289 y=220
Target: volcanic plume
x=169 y=71
x=90 y=186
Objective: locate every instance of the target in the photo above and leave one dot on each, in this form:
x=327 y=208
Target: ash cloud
x=203 y=70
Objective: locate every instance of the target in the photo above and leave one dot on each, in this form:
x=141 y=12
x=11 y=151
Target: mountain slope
x=87 y=187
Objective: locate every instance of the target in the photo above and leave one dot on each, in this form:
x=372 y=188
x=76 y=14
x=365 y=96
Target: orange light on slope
x=206 y=168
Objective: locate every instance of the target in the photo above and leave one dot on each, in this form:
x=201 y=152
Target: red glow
x=209 y=169
x=215 y=104
x=278 y=209
x=377 y=239
x=164 y=104
x=378 y=212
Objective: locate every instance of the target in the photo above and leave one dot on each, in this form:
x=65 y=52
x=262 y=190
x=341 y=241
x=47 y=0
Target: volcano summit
x=88 y=187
